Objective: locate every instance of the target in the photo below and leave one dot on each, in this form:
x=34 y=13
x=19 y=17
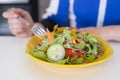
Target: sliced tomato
x=80 y=52
x=69 y=52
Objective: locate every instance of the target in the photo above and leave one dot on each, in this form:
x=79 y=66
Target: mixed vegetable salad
x=68 y=46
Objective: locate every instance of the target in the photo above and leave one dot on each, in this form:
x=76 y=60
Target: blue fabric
x=112 y=16
x=86 y=12
x=62 y=16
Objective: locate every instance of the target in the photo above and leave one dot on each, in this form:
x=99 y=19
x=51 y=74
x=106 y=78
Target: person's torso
x=84 y=13
x=96 y=12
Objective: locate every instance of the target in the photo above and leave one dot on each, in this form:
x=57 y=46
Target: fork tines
x=38 y=30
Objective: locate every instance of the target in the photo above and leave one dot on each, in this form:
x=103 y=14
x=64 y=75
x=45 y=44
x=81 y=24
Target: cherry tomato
x=69 y=52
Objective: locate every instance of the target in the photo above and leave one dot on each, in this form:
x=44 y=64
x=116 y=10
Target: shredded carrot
x=50 y=36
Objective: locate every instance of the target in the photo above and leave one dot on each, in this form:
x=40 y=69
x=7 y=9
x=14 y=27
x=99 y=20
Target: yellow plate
x=34 y=41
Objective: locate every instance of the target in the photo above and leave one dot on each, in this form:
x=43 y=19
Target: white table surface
x=16 y=65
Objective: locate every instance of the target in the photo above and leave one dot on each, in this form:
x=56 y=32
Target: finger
x=22 y=35
x=9 y=15
x=18 y=30
x=86 y=29
x=14 y=21
x=91 y=30
x=15 y=28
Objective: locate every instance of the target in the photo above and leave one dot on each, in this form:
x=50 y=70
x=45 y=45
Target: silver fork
x=39 y=30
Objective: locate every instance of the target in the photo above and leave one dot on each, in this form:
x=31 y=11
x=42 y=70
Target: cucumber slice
x=56 y=52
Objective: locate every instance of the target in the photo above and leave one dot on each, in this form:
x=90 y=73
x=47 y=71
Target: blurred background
x=35 y=7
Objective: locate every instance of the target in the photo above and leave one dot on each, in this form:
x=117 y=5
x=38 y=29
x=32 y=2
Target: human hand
x=99 y=31
x=17 y=27
x=108 y=33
